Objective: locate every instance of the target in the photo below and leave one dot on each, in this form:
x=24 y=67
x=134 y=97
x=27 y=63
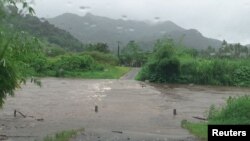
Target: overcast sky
x=220 y=19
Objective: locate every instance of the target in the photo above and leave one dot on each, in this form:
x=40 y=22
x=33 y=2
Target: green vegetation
x=42 y=29
x=16 y=52
x=235 y=112
x=107 y=73
x=103 y=58
x=132 y=55
x=198 y=129
x=84 y=65
x=162 y=65
x=227 y=51
x=20 y=57
x=170 y=63
x=62 y=136
x=74 y=62
x=100 y=47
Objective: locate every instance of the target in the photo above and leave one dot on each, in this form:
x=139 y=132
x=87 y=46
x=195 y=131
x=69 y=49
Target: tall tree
x=10 y=77
x=132 y=54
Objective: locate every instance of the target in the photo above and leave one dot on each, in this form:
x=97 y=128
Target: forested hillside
x=91 y=29
x=42 y=29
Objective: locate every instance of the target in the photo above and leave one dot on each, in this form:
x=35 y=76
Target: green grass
x=108 y=73
x=198 y=129
x=62 y=136
x=235 y=112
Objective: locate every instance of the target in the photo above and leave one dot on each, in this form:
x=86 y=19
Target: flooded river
x=127 y=109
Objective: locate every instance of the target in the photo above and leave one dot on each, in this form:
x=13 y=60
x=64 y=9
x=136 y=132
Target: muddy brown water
x=127 y=109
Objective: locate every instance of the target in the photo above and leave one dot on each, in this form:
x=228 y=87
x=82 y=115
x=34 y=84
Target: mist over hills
x=92 y=29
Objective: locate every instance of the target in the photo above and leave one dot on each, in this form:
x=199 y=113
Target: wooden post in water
x=96 y=108
x=118 y=49
x=14 y=113
x=174 y=112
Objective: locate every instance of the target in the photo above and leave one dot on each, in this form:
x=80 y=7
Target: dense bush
x=104 y=58
x=75 y=63
x=27 y=54
x=9 y=80
x=72 y=64
x=241 y=76
x=132 y=55
x=236 y=111
x=162 y=66
x=204 y=71
x=169 y=63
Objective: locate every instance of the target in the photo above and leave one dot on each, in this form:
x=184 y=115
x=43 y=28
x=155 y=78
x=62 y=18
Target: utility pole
x=118 y=49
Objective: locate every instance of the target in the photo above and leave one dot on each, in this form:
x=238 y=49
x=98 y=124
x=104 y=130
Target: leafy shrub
x=168 y=69
x=39 y=64
x=241 y=76
x=9 y=80
x=132 y=55
x=75 y=63
x=187 y=71
x=236 y=111
x=163 y=66
x=104 y=58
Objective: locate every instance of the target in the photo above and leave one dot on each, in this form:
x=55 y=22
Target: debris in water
x=120 y=132
x=40 y=119
x=200 y=118
x=15 y=112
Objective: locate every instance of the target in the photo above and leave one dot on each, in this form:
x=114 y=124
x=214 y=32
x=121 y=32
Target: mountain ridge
x=91 y=28
x=43 y=30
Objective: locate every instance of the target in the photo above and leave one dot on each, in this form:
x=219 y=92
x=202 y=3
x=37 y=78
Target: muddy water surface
x=127 y=109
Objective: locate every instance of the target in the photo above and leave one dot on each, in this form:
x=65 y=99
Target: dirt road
x=127 y=109
x=131 y=75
